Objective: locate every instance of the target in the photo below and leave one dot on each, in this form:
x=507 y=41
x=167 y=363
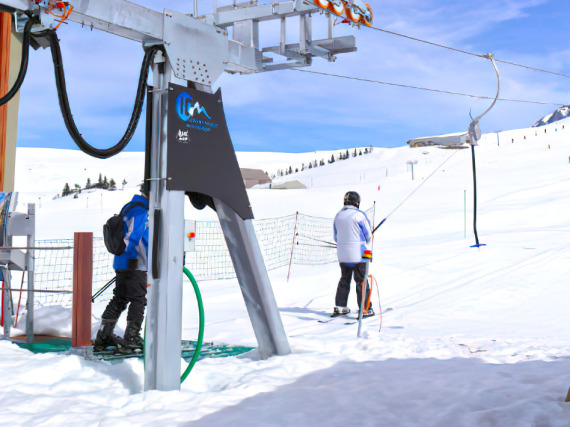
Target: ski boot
x=340 y=311
x=368 y=313
x=105 y=337
x=132 y=342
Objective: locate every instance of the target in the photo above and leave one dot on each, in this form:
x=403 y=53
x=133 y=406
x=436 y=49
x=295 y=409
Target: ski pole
x=378 y=226
x=103 y=289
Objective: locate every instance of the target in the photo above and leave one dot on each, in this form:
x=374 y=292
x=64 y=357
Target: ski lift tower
x=188 y=139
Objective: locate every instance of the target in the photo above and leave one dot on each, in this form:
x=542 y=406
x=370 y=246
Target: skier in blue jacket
x=352 y=232
x=130 y=287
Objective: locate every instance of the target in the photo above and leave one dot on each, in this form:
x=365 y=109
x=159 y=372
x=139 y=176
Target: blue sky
x=291 y=111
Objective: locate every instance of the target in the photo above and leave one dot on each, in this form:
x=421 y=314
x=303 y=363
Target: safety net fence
x=293 y=239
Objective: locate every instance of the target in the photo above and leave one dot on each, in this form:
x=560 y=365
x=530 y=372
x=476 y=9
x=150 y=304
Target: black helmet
x=352 y=198
x=145 y=189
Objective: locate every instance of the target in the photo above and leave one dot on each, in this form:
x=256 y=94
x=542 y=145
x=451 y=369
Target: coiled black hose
x=23 y=63
x=66 y=110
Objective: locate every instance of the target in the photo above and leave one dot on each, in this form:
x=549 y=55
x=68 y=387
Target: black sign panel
x=201 y=156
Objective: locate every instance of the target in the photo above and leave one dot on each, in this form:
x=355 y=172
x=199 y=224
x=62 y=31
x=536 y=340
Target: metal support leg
x=254 y=282
x=164 y=315
x=6 y=299
x=31 y=241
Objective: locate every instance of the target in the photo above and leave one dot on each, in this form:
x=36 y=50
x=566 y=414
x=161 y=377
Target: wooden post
x=10 y=57
x=82 y=288
x=5 y=35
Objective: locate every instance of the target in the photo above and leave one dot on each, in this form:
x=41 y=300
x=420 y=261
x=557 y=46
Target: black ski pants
x=343 y=289
x=130 y=288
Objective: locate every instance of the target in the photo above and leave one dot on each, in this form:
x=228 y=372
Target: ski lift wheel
x=366 y=21
x=337 y=10
x=322 y=3
x=353 y=14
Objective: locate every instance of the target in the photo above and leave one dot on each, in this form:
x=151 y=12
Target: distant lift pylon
x=184 y=121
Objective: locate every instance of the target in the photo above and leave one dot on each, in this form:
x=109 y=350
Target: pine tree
x=112 y=185
x=124 y=183
x=290 y=170
x=66 y=190
x=100 y=179
x=88 y=184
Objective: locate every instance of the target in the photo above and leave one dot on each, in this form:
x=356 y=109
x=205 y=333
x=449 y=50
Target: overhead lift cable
x=427 y=89
x=413 y=192
x=66 y=110
x=469 y=53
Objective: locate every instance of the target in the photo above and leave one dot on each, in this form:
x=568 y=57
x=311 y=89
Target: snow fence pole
x=292 y=245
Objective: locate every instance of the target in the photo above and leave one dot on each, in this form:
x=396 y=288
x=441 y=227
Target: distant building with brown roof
x=253 y=177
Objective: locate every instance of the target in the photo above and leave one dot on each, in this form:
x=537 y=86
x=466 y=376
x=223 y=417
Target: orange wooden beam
x=5 y=36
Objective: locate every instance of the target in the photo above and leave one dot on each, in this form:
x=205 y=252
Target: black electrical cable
x=7 y=9
x=66 y=111
x=23 y=63
x=155 y=240
x=148 y=142
x=477 y=244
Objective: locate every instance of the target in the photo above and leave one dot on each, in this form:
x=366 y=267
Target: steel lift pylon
x=188 y=140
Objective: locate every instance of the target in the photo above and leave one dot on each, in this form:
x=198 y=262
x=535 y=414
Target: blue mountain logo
x=186 y=107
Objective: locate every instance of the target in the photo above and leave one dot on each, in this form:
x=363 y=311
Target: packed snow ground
x=469 y=337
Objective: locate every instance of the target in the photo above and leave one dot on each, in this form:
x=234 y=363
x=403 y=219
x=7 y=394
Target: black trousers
x=343 y=289
x=130 y=289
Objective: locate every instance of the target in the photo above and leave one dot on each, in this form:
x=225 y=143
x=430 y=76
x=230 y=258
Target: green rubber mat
x=209 y=349
x=47 y=345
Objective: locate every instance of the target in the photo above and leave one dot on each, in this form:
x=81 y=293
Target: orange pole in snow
x=82 y=288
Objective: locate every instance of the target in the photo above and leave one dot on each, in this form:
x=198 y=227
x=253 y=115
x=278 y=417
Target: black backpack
x=113 y=230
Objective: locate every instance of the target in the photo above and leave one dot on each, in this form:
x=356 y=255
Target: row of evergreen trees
x=102 y=183
x=341 y=156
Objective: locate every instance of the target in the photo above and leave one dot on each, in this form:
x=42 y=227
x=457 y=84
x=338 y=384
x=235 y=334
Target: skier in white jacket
x=352 y=232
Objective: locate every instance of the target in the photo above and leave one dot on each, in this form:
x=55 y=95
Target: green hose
x=201 y=330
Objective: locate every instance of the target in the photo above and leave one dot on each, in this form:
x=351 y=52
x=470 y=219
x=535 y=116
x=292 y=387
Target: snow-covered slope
x=470 y=337
x=560 y=114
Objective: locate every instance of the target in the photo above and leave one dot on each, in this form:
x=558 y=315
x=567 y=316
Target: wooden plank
x=5 y=36
x=82 y=288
